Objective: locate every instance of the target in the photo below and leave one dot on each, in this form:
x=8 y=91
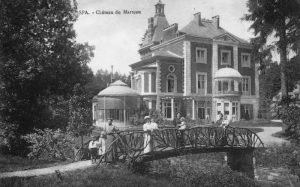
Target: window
x=225 y=57
x=168 y=109
x=219 y=109
x=219 y=86
x=201 y=83
x=167 y=106
x=201 y=55
x=201 y=113
x=246 y=85
x=232 y=85
x=245 y=60
x=226 y=108
x=171 y=83
x=225 y=86
x=234 y=108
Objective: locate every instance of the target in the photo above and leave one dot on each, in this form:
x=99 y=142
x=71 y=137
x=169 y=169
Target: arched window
x=171 y=83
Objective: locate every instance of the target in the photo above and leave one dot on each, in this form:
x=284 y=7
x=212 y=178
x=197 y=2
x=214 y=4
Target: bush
x=277 y=155
x=290 y=115
x=49 y=145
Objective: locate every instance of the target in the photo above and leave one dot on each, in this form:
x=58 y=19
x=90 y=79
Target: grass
x=15 y=163
x=256 y=123
x=189 y=170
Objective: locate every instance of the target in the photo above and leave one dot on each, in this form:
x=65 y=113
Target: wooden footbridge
x=238 y=143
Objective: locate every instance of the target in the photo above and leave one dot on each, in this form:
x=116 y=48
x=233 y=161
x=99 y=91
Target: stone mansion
x=198 y=70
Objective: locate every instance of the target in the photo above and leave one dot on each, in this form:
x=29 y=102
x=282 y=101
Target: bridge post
x=242 y=161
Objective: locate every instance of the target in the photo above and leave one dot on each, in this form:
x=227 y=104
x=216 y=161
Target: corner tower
x=154 y=32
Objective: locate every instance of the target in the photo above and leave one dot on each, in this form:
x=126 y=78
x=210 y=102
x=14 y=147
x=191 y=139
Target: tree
x=102 y=79
x=40 y=61
x=269 y=84
x=279 y=19
x=80 y=114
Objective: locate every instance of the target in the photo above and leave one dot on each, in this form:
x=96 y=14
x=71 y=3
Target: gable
x=226 y=38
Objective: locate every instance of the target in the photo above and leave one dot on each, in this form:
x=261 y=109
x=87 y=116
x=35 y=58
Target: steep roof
x=160 y=22
x=207 y=30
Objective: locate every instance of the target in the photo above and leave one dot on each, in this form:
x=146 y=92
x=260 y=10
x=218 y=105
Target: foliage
x=269 y=84
x=276 y=155
x=40 y=61
x=278 y=19
x=102 y=79
x=80 y=114
x=290 y=116
x=7 y=135
x=49 y=145
x=220 y=176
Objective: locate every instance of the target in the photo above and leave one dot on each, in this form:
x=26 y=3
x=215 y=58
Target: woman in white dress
x=148 y=127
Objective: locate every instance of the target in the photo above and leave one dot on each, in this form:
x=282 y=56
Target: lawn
x=256 y=123
x=190 y=170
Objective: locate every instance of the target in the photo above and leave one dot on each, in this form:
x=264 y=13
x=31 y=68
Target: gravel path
x=268 y=139
x=49 y=170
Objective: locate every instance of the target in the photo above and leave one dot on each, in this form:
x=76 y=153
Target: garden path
x=268 y=139
x=49 y=170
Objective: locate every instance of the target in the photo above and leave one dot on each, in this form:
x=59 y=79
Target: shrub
x=290 y=115
x=277 y=155
x=48 y=144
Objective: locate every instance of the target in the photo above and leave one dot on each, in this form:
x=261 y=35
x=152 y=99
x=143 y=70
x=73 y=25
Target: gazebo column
x=193 y=108
x=158 y=87
x=172 y=108
x=93 y=109
x=150 y=104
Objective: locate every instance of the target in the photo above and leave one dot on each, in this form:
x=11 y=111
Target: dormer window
x=225 y=57
x=201 y=55
x=245 y=59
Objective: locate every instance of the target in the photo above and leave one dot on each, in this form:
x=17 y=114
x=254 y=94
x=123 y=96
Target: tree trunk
x=283 y=62
x=81 y=141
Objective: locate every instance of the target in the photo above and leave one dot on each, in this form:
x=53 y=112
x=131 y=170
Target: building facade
x=198 y=70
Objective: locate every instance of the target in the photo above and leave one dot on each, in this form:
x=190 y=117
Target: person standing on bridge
x=176 y=121
x=182 y=127
x=148 y=127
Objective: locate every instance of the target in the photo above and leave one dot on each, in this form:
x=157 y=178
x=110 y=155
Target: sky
x=116 y=37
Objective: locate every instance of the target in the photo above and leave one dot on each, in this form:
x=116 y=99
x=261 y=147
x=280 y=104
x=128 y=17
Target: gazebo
x=118 y=102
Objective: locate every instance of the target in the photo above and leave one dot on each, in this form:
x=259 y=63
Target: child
x=93 y=147
x=101 y=142
x=182 y=124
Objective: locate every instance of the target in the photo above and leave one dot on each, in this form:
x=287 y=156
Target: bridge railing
x=134 y=144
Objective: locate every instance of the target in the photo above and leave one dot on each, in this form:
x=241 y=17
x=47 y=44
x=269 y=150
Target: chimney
x=150 y=25
x=197 y=18
x=216 y=21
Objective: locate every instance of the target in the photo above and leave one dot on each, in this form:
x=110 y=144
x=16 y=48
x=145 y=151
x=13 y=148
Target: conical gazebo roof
x=117 y=88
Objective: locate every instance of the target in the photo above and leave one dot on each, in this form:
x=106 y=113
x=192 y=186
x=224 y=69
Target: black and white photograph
x=150 y=93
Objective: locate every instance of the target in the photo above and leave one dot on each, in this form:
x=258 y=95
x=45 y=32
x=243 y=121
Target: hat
x=147 y=117
x=110 y=119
